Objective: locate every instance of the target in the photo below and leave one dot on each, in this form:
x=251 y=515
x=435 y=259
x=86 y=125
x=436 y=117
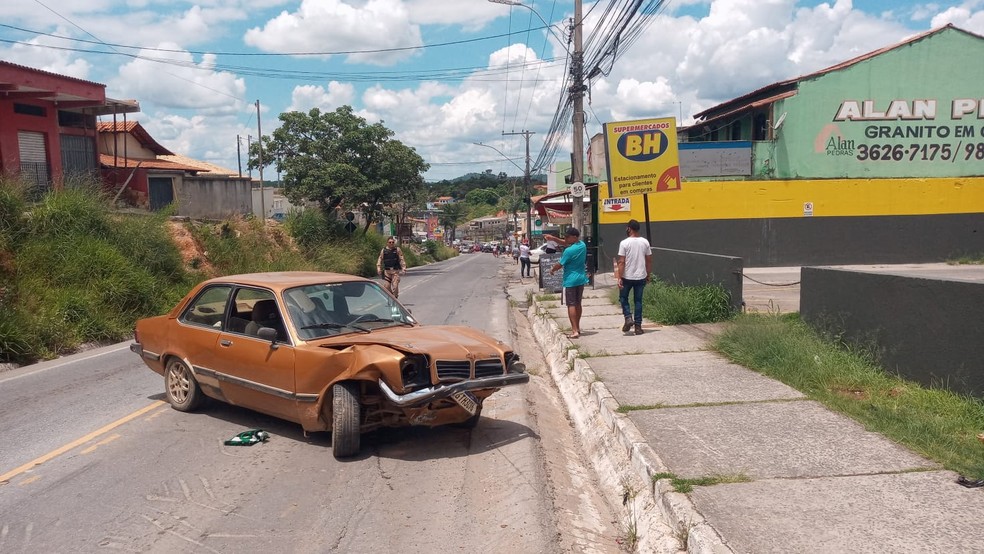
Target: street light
x=526 y=181
x=549 y=26
x=576 y=92
x=508 y=159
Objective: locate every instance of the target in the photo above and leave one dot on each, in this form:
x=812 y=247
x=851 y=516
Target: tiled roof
x=134 y=128
x=108 y=160
x=204 y=167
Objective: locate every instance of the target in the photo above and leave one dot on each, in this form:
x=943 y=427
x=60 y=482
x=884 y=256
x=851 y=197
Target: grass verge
x=937 y=424
x=676 y=305
x=75 y=272
x=973 y=259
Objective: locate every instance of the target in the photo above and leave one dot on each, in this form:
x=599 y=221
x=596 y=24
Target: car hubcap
x=178 y=383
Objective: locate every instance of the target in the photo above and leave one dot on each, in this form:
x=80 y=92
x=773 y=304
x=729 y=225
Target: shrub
x=674 y=304
x=79 y=211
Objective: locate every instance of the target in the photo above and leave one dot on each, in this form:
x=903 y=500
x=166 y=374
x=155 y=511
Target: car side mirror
x=268 y=333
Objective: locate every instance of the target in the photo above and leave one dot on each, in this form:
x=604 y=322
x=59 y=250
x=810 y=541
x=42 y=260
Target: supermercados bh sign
x=919 y=134
x=642 y=157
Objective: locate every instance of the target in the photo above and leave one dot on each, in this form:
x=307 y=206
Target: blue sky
x=443 y=74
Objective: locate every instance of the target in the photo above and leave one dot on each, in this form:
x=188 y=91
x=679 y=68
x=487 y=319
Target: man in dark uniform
x=390 y=265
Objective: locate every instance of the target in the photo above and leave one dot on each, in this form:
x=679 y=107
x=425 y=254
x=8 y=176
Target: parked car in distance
x=535 y=255
x=328 y=351
x=464 y=248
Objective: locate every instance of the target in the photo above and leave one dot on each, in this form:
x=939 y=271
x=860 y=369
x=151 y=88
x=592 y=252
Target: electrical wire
x=620 y=24
x=268 y=54
x=449 y=74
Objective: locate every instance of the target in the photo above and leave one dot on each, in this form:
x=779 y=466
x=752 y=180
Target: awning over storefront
x=556 y=207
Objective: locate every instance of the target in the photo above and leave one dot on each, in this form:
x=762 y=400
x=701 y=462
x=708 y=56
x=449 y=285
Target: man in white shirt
x=635 y=258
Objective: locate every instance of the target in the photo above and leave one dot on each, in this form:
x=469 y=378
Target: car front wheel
x=180 y=386
x=345 y=431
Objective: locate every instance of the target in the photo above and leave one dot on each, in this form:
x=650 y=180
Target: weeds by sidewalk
x=675 y=305
x=938 y=424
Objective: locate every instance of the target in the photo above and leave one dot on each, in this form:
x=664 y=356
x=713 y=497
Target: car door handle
x=225 y=342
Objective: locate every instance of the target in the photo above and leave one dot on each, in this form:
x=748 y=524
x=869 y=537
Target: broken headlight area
x=513 y=365
x=415 y=371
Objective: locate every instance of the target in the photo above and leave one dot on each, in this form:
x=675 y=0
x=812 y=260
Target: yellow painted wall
x=785 y=199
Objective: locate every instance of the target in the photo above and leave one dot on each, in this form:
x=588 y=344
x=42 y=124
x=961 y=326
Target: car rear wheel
x=345 y=432
x=180 y=386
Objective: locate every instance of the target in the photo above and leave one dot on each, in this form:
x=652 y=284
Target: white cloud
x=36 y=53
x=181 y=82
x=472 y=15
x=334 y=26
x=696 y=54
x=305 y=97
x=740 y=46
x=641 y=99
x=969 y=16
x=210 y=139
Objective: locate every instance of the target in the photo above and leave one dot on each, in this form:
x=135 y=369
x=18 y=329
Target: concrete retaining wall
x=681 y=267
x=214 y=198
x=928 y=330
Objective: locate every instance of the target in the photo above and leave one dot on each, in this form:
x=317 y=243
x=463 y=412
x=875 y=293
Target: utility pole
x=239 y=155
x=259 y=141
x=577 y=95
x=527 y=189
x=249 y=170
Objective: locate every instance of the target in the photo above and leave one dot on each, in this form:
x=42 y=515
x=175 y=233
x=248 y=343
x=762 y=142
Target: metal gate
x=34 y=169
x=161 y=192
x=78 y=159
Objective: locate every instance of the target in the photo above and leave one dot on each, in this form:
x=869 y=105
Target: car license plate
x=467 y=401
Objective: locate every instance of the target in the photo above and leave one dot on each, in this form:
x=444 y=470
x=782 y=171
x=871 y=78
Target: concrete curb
x=594 y=412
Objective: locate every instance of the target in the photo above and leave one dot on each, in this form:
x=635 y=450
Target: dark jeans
x=524 y=267
x=636 y=287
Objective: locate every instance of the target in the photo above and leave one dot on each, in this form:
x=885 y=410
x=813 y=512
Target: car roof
x=280 y=280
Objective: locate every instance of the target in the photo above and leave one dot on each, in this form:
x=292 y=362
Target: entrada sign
x=617 y=205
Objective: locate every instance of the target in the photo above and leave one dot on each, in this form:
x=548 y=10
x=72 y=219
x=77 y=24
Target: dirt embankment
x=196 y=257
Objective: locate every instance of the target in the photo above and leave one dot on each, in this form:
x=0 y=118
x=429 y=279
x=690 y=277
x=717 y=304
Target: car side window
x=208 y=308
x=252 y=309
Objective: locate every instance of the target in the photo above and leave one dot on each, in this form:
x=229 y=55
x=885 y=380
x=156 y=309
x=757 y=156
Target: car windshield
x=328 y=309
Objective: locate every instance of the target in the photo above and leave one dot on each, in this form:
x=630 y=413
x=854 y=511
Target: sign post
x=642 y=159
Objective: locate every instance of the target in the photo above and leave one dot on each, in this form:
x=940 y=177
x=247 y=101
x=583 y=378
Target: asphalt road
x=92 y=459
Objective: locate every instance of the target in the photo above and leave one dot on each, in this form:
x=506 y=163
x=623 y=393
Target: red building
x=48 y=126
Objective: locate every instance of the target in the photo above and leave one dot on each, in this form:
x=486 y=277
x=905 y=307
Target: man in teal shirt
x=573 y=260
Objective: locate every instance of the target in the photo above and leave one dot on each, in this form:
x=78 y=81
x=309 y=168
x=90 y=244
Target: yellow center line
x=59 y=451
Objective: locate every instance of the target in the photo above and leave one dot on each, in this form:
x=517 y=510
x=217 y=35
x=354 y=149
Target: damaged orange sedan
x=331 y=352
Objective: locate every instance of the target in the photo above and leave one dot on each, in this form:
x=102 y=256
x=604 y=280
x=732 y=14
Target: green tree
x=452 y=215
x=335 y=158
x=483 y=196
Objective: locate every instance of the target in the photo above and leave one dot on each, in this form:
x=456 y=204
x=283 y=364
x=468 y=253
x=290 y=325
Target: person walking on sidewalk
x=635 y=259
x=390 y=265
x=524 y=259
x=573 y=260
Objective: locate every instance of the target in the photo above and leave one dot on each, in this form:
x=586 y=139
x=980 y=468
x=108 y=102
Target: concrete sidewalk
x=814 y=480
